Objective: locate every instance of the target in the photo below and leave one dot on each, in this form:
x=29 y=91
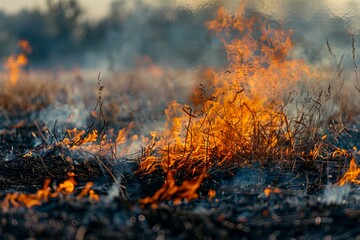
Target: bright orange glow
x=123 y=134
x=340 y=153
x=42 y=195
x=78 y=137
x=67 y=187
x=211 y=193
x=93 y=196
x=351 y=175
x=16 y=62
x=187 y=191
x=90 y=141
x=269 y=191
x=86 y=190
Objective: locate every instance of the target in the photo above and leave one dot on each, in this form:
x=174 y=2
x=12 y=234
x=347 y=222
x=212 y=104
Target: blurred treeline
x=64 y=36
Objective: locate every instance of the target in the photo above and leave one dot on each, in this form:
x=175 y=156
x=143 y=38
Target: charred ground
x=240 y=209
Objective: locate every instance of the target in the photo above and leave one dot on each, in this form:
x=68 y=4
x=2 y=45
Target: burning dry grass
x=245 y=118
x=27 y=95
x=254 y=111
x=43 y=195
x=16 y=62
x=262 y=114
x=352 y=174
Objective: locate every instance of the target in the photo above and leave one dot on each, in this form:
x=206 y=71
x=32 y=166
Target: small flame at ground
x=90 y=141
x=352 y=174
x=268 y=191
x=42 y=196
x=170 y=191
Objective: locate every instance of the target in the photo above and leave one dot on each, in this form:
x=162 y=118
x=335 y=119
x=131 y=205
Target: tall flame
x=241 y=119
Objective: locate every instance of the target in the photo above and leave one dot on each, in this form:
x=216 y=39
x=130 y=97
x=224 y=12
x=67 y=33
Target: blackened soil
x=240 y=210
x=239 y=214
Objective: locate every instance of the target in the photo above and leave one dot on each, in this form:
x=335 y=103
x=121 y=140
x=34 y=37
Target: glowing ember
x=211 y=194
x=268 y=191
x=242 y=118
x=25 y=46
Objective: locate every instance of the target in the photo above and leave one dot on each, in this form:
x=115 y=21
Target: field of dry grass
x=270 y=132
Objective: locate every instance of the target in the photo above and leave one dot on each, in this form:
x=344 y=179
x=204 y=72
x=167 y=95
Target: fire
x=242 y=119
x=76 y=140
x=42 y=195
x=211 y=194
x=79 y=137
x=268 y=191
x=90 y=141
x=169 y=191
x=352 y=174
x=25 y=46
x=16 y=62
x=66 y=187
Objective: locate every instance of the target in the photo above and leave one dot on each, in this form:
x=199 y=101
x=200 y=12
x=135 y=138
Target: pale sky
x=95 y=8
x=99 y=8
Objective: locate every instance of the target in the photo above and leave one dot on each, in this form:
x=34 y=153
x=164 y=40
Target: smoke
x=171 y=33
x=314 y=23
x=246 y=177
x=63 y=116
x=168 y=35
x=335 y=195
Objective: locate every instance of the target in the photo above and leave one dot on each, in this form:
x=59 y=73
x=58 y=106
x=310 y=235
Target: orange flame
x=187 y=190
x=78 y=137
x=352 y=174
x=91 y=142
x=86 y=190
x=67 y=187
x=242 y=117
x=42 y=195
x=15 y=62
x=211 y=194
x=268 y=191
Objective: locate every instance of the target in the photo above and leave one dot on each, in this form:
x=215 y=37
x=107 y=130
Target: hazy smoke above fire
x=167 y=32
